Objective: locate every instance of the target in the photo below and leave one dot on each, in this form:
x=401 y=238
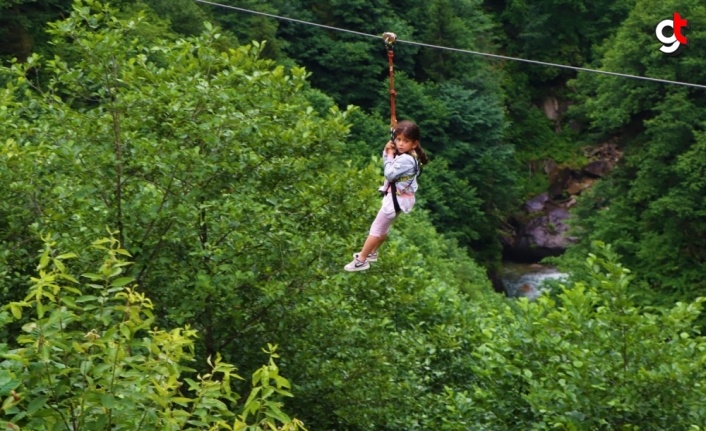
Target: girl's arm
x=388 y=154
x=396 y=167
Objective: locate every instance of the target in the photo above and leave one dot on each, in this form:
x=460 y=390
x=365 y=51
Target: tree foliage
x=222 y=182
x=651 y=209
x=90 y=357
x=238 y=191
x=563 y=32
x=22 y=24
x=590 y=358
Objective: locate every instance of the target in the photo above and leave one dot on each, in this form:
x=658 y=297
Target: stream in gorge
x=527 y=279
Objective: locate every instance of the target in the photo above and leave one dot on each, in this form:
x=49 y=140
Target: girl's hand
x=390 y=148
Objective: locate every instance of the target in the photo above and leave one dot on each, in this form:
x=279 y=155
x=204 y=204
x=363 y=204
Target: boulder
x=539 y=229
x=575 y=187
x=537 y=203
x=558 y=180
x=597 y=169
x=541 y=236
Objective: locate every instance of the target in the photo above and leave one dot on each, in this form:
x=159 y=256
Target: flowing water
x=522 y=279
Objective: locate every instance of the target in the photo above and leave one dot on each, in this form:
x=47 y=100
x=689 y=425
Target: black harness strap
x=393 y=190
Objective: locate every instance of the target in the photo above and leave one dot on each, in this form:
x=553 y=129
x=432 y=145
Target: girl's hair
x=410 y=130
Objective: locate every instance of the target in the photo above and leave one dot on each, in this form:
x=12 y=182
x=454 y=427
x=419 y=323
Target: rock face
x=539 y=229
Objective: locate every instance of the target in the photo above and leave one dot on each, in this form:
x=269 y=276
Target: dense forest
x=182 y=182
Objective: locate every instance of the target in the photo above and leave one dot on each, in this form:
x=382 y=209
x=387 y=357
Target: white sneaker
x=372 y=257
x=357 y=265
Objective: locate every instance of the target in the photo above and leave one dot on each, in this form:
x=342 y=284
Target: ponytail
x=421 y=155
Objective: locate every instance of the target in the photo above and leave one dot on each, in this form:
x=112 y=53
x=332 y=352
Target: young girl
x=402 y=169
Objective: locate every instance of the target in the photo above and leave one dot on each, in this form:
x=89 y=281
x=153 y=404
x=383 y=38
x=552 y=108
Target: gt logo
x=672 y=44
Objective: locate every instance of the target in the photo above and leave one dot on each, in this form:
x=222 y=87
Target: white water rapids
x=522 y=279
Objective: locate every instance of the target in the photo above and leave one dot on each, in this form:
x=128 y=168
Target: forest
x=182 y=182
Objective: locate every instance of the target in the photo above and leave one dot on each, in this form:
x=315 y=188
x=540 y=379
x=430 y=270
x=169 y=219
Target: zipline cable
x=543 y=63
x=463 y=51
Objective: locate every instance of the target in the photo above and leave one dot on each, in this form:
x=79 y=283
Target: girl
x=401 y=168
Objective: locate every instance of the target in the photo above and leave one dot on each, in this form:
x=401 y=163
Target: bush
x=89 y=358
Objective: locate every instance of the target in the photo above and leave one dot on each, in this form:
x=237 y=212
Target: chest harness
x=393 y=186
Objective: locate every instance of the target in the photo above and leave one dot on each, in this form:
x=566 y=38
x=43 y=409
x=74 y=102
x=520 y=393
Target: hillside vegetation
x=176 y=207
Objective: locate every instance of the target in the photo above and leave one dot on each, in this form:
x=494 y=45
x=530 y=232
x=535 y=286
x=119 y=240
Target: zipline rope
x=390 y=39
x=464 y=51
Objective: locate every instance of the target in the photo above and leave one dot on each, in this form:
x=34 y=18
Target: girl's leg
x=378 y=234
x=359 y=262
x=379 y=243
x=371 y=244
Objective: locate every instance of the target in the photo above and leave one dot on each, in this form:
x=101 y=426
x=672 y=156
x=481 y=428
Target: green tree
x=239 y=204
x=562 y=32
x=377 y=348
x=185 y=17
x=22 y=24
x=248 y=27
x=180 y=147
x=461 y=24
x=347 y=67
x=651 y=208
x=89 y=357
x=589 y=358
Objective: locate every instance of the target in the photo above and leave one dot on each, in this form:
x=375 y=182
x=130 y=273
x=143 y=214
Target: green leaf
x=36 y=404
x=121 y=281
x=8 y=382
x=272 y=410
x=92 y=276
x=108 y=401
x=125 y=331
x=44 y=260
x=10 y=402
x=16 y=311
x=86 y=298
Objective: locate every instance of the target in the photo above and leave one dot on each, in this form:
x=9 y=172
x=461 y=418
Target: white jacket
x=403 y=169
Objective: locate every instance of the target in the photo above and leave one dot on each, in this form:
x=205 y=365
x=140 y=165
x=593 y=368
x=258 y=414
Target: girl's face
x=404 y=144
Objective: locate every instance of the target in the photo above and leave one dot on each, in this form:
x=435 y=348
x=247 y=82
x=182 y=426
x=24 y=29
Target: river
x=527 y=279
